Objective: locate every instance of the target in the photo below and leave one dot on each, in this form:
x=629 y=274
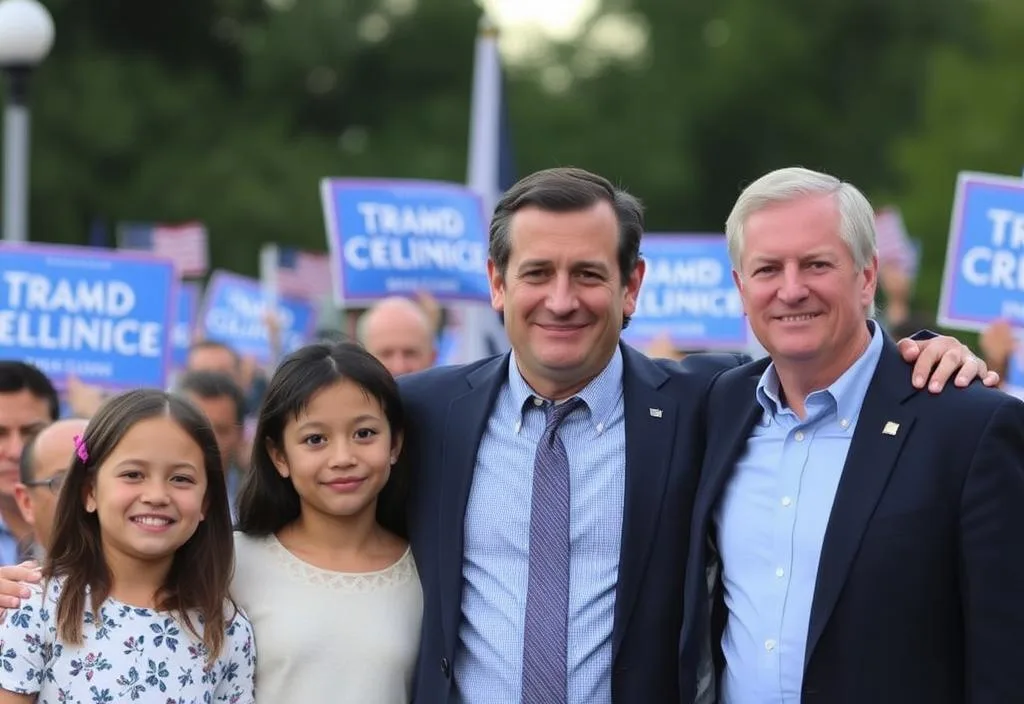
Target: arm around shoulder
x=992 y=558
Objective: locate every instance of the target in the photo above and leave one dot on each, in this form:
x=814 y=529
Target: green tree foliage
x=972 y=121
x=230 y=111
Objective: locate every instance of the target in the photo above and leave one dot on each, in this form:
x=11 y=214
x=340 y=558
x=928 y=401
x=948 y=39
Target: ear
x=89 y=495
x=24 y=501
x=497 y=280
x=632 y=286
x=870 y=283
x=396 y=447
x=278 y=458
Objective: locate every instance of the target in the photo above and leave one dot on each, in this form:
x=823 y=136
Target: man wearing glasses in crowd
x=44 y=462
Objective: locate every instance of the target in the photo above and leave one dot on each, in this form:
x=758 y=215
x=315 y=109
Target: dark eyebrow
x=533 y=263
x=145 y=463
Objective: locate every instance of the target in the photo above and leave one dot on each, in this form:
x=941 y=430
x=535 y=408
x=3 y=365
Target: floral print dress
x=127 y=654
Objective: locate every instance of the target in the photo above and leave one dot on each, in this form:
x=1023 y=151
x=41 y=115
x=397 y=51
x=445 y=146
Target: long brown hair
x=202 y=567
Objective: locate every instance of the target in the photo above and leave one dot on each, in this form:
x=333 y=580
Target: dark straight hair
x=267 y=502
x=19 y=376
x=566 y=190
x=202 y=567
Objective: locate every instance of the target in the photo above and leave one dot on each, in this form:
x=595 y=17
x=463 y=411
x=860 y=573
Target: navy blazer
x=447 y=410
x=920 y=589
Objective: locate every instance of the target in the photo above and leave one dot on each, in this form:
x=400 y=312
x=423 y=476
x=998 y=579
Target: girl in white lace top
x=322 y=568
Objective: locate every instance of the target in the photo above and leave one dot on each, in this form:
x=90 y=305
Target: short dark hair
x=209 y=385
x=215 y=345
x=564 y=190
x=20 y=376
x=267 y=502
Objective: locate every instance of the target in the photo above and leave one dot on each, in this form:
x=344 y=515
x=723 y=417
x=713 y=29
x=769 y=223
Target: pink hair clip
x=80 y=449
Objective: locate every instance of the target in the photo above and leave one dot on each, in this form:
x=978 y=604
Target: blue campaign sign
x=102 y=316
x=689 y=294
x=984 y=276
x=234 y=312
x=186 y=308
x=394 y=237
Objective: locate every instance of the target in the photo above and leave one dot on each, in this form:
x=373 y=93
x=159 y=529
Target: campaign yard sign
x=186 y=309
x=102 y=316
x=398 y=237
x=234 y=312
x=689 y=294
x=984 y=276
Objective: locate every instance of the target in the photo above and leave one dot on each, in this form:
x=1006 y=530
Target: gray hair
x=856 y=216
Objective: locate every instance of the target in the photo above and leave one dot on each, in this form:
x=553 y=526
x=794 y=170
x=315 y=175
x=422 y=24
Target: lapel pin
x=890 y=428
x=655 y=413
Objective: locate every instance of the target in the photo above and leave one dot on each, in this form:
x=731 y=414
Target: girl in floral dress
x=133 y=605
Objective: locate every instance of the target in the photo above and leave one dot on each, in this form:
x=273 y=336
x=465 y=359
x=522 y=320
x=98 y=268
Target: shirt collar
x=847 y=392
x=602 y=392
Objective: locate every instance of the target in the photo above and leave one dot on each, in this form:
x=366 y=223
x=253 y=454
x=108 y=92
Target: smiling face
x=338 y=452
x=802 y=292
x=563 y=296
x=148 y=494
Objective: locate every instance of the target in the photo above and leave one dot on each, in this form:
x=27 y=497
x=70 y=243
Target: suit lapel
x=882 y=427
x=726 y=442
x=650 y=418
x=465 y=425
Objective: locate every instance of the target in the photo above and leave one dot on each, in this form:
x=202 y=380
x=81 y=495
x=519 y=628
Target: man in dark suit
x=853 y=540
x=536 y=590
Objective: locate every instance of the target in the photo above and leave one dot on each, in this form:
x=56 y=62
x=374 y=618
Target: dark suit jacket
x=920 y=588
x=447 y=411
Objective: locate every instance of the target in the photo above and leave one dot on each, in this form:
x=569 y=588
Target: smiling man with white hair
x=865 y=537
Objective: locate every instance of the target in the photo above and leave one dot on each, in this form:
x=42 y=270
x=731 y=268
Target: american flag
x=303 y=274
x=186 y=244
x=894 y=244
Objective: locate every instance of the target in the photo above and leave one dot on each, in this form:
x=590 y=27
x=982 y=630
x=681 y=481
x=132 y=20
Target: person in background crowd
x=28 y=403
x=220 y=399
x=399 y=333
x=213 y=356
x=864 y=540
x=998 y=344
x=553 y=486
x=44 y=464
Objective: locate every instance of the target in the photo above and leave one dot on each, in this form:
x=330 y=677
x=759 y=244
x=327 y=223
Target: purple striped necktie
x=545 y=636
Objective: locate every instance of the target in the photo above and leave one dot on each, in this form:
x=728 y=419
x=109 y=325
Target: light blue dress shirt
x=495 y=568
x=770 y=527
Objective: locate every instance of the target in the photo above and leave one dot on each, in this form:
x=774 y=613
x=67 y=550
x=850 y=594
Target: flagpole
x=479 y=323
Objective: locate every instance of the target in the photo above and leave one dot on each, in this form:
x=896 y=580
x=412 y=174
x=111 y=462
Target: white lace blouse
x=325 y=636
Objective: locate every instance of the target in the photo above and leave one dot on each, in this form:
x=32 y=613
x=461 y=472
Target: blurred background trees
x=230 y=111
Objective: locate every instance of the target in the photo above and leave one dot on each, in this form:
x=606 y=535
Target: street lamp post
x=26 y=36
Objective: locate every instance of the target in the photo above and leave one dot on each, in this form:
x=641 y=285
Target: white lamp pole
x=26 y=36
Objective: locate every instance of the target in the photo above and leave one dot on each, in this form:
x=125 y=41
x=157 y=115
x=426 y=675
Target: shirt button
x=779 y=572
x=786 y=501
x=600 y=427
x=799 y=436
x=844 y=424
x=769 y=645
x=538 y=401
